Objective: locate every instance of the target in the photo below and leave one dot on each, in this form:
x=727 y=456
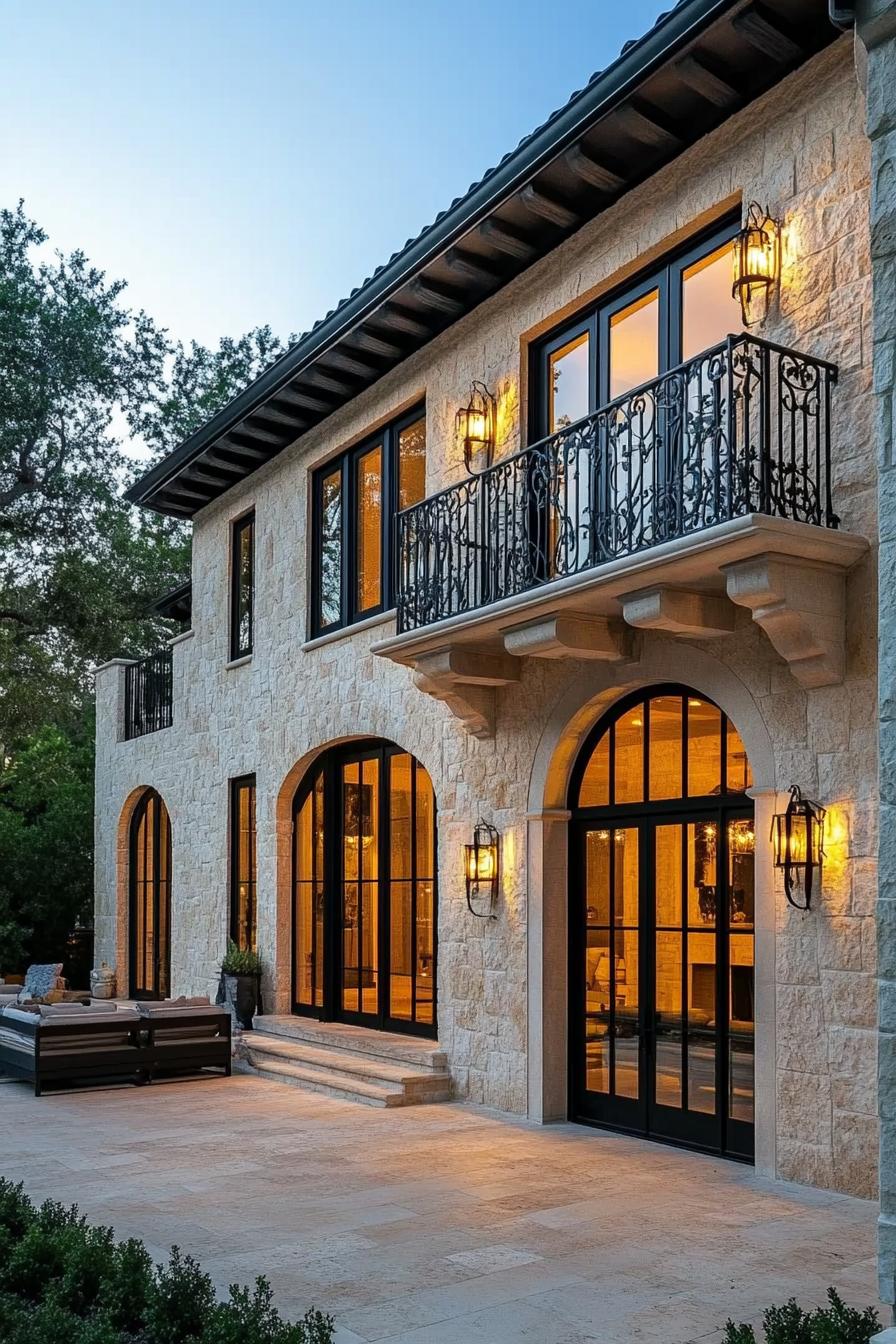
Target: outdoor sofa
x=70 y=1044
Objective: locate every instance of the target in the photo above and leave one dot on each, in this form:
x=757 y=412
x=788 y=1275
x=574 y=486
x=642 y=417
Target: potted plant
x=240 y=988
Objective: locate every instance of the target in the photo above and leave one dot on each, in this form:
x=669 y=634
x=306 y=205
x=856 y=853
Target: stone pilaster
x=876 y=25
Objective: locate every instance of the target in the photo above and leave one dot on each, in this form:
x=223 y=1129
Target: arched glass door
x=150 y=899
x=364 y=866
x=661 y=924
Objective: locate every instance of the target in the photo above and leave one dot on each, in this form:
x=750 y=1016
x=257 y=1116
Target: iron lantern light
x=475 y=424
x=757 y=262
x=481 y=868
x=799 y=845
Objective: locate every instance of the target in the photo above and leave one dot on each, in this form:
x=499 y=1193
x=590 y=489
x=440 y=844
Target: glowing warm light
x=475 y=424
x=757 y=263
x=799 y=845
x=481 y=868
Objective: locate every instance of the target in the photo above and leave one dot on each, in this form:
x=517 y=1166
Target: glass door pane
x=570 y=457
x=309 y=898
x=668 y=1064
x=741 y=990
x=360 y=868
x=709 y=311
x=629 y=468
x=612 y=1035
x=369 y=525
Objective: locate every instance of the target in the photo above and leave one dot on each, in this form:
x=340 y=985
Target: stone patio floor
x=438 y=1224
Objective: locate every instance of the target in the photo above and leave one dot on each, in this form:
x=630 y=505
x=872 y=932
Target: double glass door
x=365 y=891
x=662 y=925
x=617 y=486
x=666 y=978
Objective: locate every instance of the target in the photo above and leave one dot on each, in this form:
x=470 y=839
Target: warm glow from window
x=370 y=528
x=568 y=383
x=634 y=344
x=709 y=311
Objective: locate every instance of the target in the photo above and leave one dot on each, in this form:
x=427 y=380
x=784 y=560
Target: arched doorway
x=364 y=890
x=661 y=924
x=149 y=919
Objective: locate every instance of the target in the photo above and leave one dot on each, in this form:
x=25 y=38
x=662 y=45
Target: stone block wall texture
x=802 y=149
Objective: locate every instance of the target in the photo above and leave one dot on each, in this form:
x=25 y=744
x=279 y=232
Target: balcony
x=653 y=512
x=148 y=695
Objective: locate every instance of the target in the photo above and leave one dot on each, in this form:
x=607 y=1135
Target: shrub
x=240 y=961
x=834 y=1324
x=63 y=1280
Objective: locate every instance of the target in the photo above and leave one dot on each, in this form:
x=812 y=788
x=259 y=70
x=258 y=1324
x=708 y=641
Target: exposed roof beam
x=547 y=207
x=291 y=396
x=644 y=125
x=328 y=382
x=288 y=419
x=433 y=296
x=403 y=320
x=180 y=489
x=580 y=162
x=366 y=340
x=216 y=474
x=235 y=457
x=342 y=359
x=468 y=267
x=506 y=239
x=167 y=505
x=246 y=446
x=765 y=36
x=255 y=434
x=706 y=82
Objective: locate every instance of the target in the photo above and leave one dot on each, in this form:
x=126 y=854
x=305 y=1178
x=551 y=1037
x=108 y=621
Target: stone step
x=350 y=1063
x=376 y=1068
x=390 y=1046
x=313 y=1080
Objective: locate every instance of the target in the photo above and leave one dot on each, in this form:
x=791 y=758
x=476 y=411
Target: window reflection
x=568 y=383
x=369 y=525
x=634 y=345
x=412 y=463
x=709 y=311
x=330 y=596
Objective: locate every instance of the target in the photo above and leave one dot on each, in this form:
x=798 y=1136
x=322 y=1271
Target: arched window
x=364 y=865
x=150 y=899
x=661 y=923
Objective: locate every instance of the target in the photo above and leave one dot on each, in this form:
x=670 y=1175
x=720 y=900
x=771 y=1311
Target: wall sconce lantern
x=799 y=845
x=481 y=869
x=475 y=424
x=757 y=262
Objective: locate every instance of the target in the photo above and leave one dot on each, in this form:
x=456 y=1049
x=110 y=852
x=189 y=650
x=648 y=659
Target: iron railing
x=742 y=428
x=148 y=695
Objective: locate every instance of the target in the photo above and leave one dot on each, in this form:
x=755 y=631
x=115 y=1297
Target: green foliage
x=46 y=830
x=61 y=1279
x=79 y=567
x=835 y=1324
x=240 y=961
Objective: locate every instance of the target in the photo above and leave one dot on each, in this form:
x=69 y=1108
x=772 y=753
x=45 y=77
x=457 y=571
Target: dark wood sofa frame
x=146 y=1056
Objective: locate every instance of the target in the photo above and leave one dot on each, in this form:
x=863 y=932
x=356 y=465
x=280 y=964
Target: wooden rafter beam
x=596 y=174
x=506 y=239
x=548 y=207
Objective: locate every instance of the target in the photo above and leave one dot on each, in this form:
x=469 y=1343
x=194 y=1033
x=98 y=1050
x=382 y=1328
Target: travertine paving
x=438 y=1224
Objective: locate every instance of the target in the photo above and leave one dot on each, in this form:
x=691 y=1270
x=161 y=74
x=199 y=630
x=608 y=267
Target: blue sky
x=244 y=163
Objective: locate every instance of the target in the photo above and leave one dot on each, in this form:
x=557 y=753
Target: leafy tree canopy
x=79 y=567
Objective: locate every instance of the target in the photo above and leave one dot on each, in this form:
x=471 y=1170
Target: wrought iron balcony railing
x=743 y=428
x=148 y=695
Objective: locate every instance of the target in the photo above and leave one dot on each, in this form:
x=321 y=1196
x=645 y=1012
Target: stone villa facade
x=758 y=618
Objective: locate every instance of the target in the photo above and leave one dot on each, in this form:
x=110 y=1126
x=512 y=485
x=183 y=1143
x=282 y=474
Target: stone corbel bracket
x=569 y=635
x=801 y=607
x=465 y=681
x=678 y=611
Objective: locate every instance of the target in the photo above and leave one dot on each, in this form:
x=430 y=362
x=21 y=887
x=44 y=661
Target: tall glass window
x=356 y=498
x=243 y=916
x=242 y=586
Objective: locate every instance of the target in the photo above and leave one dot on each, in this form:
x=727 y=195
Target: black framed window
x=355 y=499
x=667 y=315
x=243 y=909
x=242 y=586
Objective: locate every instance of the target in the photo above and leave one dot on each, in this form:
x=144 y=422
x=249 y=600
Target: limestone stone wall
x=802 y=150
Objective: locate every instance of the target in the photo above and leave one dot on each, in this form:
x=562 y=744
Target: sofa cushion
x=67 y=1009
x=168 y=1008
x=88 y=1017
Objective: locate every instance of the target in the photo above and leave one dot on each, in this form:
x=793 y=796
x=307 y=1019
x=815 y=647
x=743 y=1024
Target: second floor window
x=355 y=499
x=673 y=313
x=243 y=918
x=242 y=586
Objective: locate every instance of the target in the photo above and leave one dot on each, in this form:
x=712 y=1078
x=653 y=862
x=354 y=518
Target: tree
x=79 y=567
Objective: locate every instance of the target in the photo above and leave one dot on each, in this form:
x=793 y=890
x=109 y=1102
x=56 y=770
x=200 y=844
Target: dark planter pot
x=241 y=995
